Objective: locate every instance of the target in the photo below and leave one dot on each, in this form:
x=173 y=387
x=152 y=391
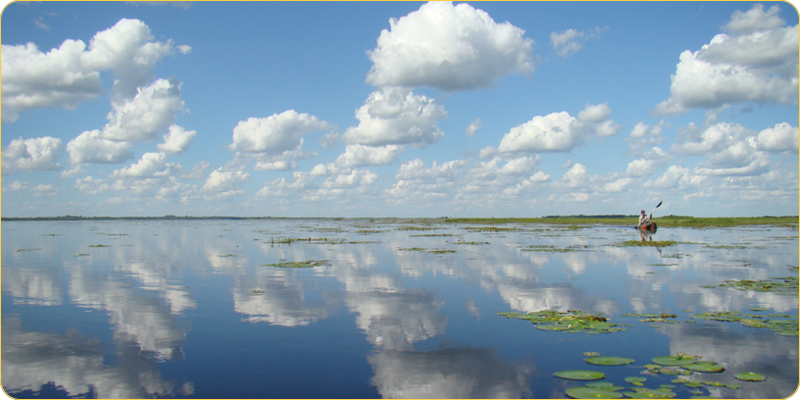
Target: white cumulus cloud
x=226 y=182
x=177 y=140
x=70 y=74
x=756 y=62
x=151 y=165
x=90 y=148
x=356 y=155
x=276 y=133
x=781 y=137
x=142 y=117
x=553 y=132
x=395 y=115
x=450 y=48
x=36 y=154
x=473 y=127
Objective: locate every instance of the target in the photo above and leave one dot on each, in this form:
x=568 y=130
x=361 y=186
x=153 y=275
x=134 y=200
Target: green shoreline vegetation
x=576 y=220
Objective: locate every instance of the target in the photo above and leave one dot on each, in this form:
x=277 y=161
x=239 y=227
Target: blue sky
x=518 y=109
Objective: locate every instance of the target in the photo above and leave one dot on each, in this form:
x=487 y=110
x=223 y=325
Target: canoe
x=650 y=227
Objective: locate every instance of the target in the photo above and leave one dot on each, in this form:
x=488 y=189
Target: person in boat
x=644 y=219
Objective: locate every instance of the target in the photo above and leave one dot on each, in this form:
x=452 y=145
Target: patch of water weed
x=572 y=321
x=787 y=286
x=26 y=250
x=418 y=228
x=654 y=243
x=256 y=292
x=433 y=235
x=492 y=229
x=300 y=264
x=226 y=255
x=724 y=246
x=586 y=392
x=470 y=243
x=433 y=251
x=652 y=317
x=51 y=234
x=550 y=248
x=323 y=240
x=81 y=255
x=784 y=326
x=368 y=231
x=99 y=245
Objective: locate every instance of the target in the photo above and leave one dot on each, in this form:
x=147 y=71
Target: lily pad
x=643 y=393
x=703 y=367
x=583 y=392
x=636 y=380
x=580 y=375
x=678 y=360
x=609 y=361
x=750 y=377
x=600 y=385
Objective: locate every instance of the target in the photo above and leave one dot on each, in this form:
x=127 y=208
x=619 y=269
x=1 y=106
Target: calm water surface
x=137 y=309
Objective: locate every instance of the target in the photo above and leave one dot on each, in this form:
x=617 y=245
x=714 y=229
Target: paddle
x=658 y=205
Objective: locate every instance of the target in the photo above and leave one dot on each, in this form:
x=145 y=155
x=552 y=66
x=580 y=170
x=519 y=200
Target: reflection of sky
x=75 y=364
x=449 y=374
x=740 y=349
x=429 y=318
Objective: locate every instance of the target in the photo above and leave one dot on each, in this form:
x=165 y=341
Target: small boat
x=649 y=227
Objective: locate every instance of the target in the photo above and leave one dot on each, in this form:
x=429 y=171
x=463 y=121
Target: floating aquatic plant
x=654 y=243
x=433 y=251
x=645 y=393
x=553 y=249
x=300 y=264
x=572 y=321
x=580 y=375
x=609 y=361
x=704 y=366
x=783 y=327
x=585 y=392
x=750 y=377
x=636 y=380
x=679 y=360
x=783 y=285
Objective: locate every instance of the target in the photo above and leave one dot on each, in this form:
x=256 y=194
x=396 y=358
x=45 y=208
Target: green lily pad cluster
x=652 y=317
x=787 y=286
x=782 y=324
x=680 y=364
x=686 y=362
x=572 y=321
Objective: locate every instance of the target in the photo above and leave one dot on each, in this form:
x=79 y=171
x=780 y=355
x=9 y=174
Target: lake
x=360 y=308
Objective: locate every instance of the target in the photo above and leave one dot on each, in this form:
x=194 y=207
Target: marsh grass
x=422 y=250
x=654 y=243
x=663 y=222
